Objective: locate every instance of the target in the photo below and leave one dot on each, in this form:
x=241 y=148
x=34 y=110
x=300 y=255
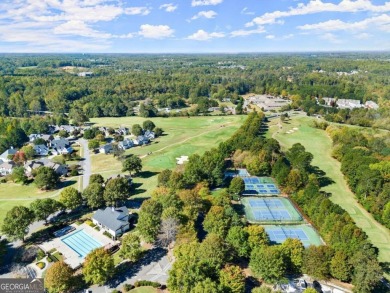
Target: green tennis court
x=266 y=210
x=306 y=233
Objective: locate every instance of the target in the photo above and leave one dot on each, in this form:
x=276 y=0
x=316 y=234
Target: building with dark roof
x=113 y=220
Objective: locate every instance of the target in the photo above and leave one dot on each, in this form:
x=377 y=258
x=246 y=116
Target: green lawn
x=320 y=145
x=12 y=194
x=182 y=136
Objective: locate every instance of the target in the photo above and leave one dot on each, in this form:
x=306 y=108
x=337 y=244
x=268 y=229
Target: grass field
x=146 y=289
x=320 y=145
x=182 y=136
x=12 y=194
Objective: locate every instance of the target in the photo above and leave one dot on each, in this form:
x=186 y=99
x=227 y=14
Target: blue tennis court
x=305 y=233
x=243 y=173
x=260 y=185
x=81 y=242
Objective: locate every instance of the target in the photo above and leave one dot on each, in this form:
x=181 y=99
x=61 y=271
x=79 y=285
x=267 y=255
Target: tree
x=148 y=125
x=316 y=261
x=96 y=178
x=43 y=208
x=63 y=133
x=93 y=144
x=70 y=198
x=293 y=253
x=267 y=263
x=163 y=177
x=232 y=279
x=237 y=238
x=168 y=229
x=18 y=175
x=149 y=220
x=136 y=130
x=131 y=247
x=340 y=267
x=386 y=214
x=94 y=195
x=310 y=290
x=237 y=186
x=256 y=236
x=206 y=286
x=16 y=222
x=46 y=178
x=59 y=278
x=216 y=221
x=213 y=251
x=116 y=190
x=132 y=163
x=78 y=116
x=262 y=289
x=158 y=131
x=28 y=151
x=98 y=267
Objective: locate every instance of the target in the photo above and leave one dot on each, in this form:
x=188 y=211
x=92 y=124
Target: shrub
x=40 y=254
x=74 y=173
x=147 y=283
x=97 y=228
x=40 y=265
x=127 y=287
x=90 y=223
x=107 y=234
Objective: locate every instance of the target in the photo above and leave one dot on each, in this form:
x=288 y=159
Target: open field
x=147 y=289
x=12 y=194
x=182 y=136
x=319 y=144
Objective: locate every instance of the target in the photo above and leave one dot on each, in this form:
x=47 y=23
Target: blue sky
x=189 y=26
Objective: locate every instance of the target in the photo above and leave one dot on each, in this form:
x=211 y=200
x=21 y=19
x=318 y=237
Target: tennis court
x=237 y=172
x=260 y=186
x=264 y=209
x=305 y=233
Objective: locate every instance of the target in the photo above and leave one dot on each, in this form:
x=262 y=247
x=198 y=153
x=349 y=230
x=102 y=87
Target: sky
x=193 y=26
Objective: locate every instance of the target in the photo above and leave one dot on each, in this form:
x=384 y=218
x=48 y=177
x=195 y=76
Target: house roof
x=111 y=217
x=7 y=165
x=8 y=152
x=60 y=143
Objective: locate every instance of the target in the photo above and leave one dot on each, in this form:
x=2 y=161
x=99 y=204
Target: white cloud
x=205 y=14
x=363 y=36
x=155 y=31
x=79 y=28
x=270 y=37
x=205 y=2
x=169 y=7
x=381 y=21
x=137 y=10
x=242 y=33
x=331 y=38
x=318 y=6
x=202 y=35
x=246 y=11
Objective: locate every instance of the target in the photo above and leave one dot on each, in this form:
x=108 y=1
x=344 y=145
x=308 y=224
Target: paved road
x=86 y=163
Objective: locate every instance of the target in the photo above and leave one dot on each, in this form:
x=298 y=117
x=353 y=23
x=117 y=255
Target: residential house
x=61 y=146
x=6 y=168
x=141 y=140
x=348 y=104
x=85 y=73
x=371 y=105
x=45 y=137
x=60 y=169
x=41 y=150
x=113 y=220
x=123 y=131
x=106 y=149
x=149 y=134
x=6 y=156
x=30 y=166
x=69 y=128
x=126 y=144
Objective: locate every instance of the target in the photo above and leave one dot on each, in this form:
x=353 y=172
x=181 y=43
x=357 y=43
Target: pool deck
x=70 y=256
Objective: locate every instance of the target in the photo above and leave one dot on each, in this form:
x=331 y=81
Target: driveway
x=86 y=163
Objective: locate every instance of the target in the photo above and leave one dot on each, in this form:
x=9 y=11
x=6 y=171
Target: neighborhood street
x=86 y=163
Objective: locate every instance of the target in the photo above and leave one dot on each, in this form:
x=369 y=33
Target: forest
x=120 y=82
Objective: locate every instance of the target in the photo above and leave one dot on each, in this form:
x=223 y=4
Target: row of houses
x=128 y=143
x=348 y=103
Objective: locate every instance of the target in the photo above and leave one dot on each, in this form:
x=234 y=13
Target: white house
x=6 y=168
x=125 y=144
x=371 y=105
x=149 y=134
x=140 y=140
x=113 y=220
x=106 y=149
x=8 y=153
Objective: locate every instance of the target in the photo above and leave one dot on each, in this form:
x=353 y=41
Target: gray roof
x=111 y=217
x=8 y=152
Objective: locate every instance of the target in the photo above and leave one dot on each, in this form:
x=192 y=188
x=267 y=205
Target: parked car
x=317 y=286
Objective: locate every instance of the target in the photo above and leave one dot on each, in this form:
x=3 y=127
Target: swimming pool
x=81 y=243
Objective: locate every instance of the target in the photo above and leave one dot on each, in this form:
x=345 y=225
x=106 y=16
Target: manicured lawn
x=12 y=194
x=182 y=137
x=320 y=145
x=146 y=289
